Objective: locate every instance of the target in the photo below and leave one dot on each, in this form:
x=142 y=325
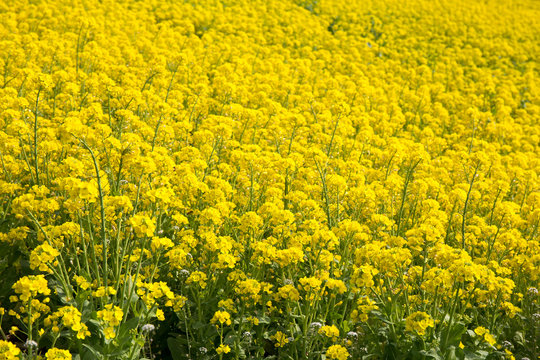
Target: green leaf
x=123 y=350
x=519 y=339
x=264 y=319
x=366 y=357
x=391 y=352
x=431 y=353
x=127 y=326
x=381 y=317
x=455 y=333
x=92 y=353
x=478 y=355
x=95 y=323
x=199 y=325
x=346 y=327
x=177 y=348
x=451 y=353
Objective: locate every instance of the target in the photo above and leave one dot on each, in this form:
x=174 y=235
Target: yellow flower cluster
x=337 y=352
x=8 y=351
x=111 y=316
x=221 y=317
x=223 y=349
x=58 y=354
x=418 y=322
x=42 y=255
x=329 y=331
x=280 y=339
x=29 y=287
x=486 y=335
x=69 y=317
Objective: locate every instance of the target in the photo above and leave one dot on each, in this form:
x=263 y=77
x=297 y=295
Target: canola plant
x=233 y=179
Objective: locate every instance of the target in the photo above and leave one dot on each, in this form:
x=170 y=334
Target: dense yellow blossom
x=42 y=255
x=337 y=352
x=30 y=286
x=290 y=163
x=111 y=316
x=329 y=331
x=58 y=354
x=280 y=338
x=8 y=351
x=418 y=322
x=69 y=317
x=223 y=349
x=221 y=317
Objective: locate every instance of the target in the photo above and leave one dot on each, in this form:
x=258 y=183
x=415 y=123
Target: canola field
x=234 y=179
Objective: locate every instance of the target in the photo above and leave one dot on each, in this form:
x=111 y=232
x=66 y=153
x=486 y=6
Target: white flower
x=146 y=328
x=30 y=344
x=184 y=272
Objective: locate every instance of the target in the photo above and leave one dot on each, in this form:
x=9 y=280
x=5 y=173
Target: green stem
x=102 y=208
x=36 y=137
x=465 y=207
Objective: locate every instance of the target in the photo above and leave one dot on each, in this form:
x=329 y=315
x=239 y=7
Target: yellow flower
x=480 y=330
x=337 y=285
x=253 y=320
x=178 y=302
x=143 y=225
x=29 y=286
x=70 y=318
x=223 y=349
x=289 y=292
x=159 y=243
x=249 y=290
x=280 y=338
x=365 y=306
x=418 y=322
x=337 y=352
x=111 y=315
x=82 y=282
x=490 y=339
x=160 y=315
x=110 y=332
x=222 y=317
x=43 y=256
x=102 y=291
x=57 y=354
x=8 y=351
x=330 y=331
x=227 y=304
x=197 y=277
